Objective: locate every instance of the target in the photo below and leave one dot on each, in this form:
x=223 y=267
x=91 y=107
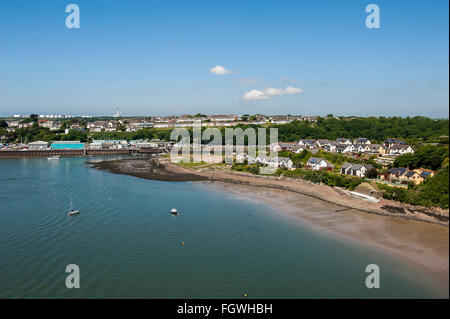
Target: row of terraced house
x=390 y=146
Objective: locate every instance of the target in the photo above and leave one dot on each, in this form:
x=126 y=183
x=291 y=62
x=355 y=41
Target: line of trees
x=412 y=130
x=429 y=156
x=374 y=128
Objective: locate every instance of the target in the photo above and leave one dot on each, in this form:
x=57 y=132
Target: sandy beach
x=416 y=236
x=424 y=246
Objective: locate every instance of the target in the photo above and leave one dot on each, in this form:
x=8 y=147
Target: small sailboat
x=174 y=212
x=71 y=210
x=56 y=157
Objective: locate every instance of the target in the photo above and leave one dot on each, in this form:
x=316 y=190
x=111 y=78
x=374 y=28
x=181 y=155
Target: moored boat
x=71 y=210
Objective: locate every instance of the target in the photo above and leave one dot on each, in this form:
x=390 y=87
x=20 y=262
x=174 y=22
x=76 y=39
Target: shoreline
x=162 y=170
x=422 y=242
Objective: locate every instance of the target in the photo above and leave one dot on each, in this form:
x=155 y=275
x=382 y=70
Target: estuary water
x=127 y=244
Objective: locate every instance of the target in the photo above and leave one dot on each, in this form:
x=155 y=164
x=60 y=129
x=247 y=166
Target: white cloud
x=273 y=91
x=292 y=90
x=269 y=92
x=255 y=95
x=219 y=70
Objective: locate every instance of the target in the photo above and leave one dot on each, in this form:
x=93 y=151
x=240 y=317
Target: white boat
x=174 y=211
x=56 y=157
x=71 y=210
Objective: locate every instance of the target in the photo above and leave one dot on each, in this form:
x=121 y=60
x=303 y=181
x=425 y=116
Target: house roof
x=400 y=146
x=308 y=141
x=342 y=146
x=66 y=142
x=346 y=165
x=314 y=160
x=410 y=173
x=398 y=170
x=287 y=144
x=425 y=174
x=394 y=141
x=38 y=143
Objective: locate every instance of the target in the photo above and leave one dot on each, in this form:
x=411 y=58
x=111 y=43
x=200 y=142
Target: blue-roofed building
x=67 y=145
x=403 y=175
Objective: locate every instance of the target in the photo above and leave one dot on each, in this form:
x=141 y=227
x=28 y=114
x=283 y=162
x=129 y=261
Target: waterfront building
x=67 y=145
x=38 y=145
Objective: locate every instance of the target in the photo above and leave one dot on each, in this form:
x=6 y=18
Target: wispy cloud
x=255 y=95
x=246 y=81
x=285 y=79
x=219 y=70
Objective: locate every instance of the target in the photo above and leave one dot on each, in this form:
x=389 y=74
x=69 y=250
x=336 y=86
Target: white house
x=278 y=147
x=307 y=143
x=359 y=148
x=277 y=161
x=341 y=140
x=400 y=149
x=318 y=163
x=359 y=170
x=345 y=148
x=362 y=140
x=322 y=143
x=330 y=147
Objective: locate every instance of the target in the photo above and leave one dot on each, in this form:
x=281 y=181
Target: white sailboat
x=71 y=210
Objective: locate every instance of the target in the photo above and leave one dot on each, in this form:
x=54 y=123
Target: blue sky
x=154 y=57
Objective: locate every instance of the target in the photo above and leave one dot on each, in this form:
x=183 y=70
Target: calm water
x=127 y=244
